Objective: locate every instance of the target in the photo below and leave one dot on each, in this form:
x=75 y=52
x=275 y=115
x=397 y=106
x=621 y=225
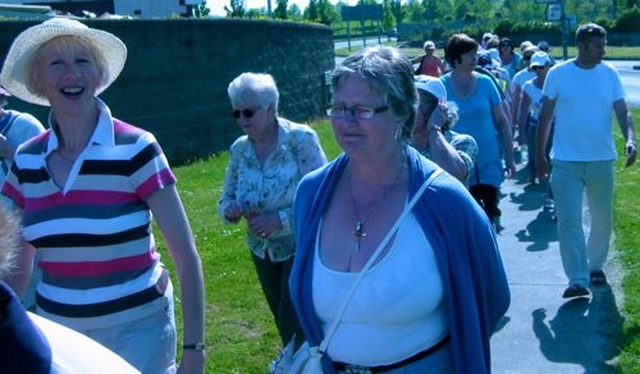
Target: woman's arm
x=230 y=209
x=506 y=137
x=441 y=151
x=169 y=213
x=522 y=118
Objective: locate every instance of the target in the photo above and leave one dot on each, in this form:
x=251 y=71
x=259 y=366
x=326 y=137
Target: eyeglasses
x=537 y=67
x=247 y=113
x=358 y=112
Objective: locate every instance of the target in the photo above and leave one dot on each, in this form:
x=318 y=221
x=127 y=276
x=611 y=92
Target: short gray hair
x=261 y=86
x=9 y=240
x=390 y=73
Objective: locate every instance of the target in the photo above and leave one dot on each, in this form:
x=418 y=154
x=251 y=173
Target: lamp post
x=552 y=8
x=565 y=30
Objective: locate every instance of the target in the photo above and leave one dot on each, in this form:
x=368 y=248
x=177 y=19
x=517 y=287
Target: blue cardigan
x=475 y=285
x=23 y=347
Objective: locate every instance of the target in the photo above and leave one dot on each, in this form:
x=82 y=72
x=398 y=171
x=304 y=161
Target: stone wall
x=175 y=80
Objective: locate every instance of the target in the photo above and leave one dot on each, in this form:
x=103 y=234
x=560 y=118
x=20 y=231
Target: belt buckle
x=357 y=369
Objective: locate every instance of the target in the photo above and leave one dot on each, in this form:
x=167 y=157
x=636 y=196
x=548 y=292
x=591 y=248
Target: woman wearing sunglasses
x=264 y=168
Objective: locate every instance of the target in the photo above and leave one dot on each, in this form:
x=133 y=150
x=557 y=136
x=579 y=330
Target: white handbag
x=308 y=360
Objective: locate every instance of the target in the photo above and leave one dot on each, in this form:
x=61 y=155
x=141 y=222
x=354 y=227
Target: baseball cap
x=429 y=45
x=431 y=85
x=540 y=59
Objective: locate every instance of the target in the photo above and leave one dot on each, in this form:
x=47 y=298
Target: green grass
x=627 y=241
x=613 y=53
x=240 y=335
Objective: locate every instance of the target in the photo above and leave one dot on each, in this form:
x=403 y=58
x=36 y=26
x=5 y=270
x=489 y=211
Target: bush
x=628 y=21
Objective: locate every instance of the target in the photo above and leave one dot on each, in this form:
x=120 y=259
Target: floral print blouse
x=271 y=187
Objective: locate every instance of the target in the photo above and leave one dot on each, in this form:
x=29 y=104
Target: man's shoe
x=575 y=290
x=597 y=278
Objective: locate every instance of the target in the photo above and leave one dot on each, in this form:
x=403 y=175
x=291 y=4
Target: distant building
x=143 y=9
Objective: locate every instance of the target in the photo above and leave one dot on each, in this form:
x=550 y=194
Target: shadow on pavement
x=584 y=332
x=540 y=233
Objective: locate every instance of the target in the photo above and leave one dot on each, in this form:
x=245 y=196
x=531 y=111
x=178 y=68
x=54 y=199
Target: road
x=629 y=76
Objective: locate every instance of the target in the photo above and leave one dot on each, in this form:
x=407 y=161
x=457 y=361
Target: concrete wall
x=175 y=80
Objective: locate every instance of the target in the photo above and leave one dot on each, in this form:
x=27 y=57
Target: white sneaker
x=548 y=204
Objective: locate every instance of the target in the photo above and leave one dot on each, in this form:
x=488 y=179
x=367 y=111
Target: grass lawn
x=240 y=335
x=613 y=53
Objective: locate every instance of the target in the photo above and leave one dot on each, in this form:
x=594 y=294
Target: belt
x=350 y=368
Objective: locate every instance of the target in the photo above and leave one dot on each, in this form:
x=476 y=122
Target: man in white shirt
x=583 y=93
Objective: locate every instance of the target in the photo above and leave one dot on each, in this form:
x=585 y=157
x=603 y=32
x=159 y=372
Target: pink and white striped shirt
x=97 y=252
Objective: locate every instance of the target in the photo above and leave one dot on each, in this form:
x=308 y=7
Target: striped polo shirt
x=98 y=256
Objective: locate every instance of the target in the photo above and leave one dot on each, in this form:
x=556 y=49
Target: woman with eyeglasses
x=481 y=114
x=437 y=289
x=265 y=166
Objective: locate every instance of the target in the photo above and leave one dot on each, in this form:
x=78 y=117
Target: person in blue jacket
x=433 y=298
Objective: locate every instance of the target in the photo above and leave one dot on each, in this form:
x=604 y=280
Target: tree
x=321 y=11
x=281 y=9
x=311 y=13
x=397 y=10
x=294 y=12
x=201 y=10
x=414 y=11
x=235 y=9
x=388 y=20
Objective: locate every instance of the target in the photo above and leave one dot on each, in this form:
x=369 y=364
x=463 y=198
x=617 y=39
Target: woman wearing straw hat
x=87 y=189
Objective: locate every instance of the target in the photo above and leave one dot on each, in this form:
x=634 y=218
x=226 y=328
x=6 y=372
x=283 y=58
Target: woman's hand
x=233 y=211
x=264 y=225
x=437 y=119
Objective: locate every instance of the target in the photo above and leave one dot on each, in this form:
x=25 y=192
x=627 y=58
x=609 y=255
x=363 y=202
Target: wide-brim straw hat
x=14 y=75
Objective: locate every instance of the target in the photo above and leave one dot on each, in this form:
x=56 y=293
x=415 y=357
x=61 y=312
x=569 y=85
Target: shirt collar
x=103 y=133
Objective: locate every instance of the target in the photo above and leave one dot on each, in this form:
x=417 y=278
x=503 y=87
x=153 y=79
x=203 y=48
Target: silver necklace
x=359 y=227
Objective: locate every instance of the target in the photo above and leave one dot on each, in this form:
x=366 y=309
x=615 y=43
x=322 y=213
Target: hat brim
x=14 y=75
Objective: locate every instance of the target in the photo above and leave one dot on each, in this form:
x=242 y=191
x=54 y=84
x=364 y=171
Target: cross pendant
x=359 y=234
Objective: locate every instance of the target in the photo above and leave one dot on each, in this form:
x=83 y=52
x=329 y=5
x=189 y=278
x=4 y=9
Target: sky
x=217 y=6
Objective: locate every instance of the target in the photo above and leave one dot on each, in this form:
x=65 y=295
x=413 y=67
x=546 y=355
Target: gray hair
x=390 y=73
x=260 y=86
x=9 y=240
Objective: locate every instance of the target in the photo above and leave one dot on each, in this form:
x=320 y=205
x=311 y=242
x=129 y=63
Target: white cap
x=431 y=85
x=540 y=59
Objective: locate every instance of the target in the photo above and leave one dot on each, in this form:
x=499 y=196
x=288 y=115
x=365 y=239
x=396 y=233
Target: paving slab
x=542 y=332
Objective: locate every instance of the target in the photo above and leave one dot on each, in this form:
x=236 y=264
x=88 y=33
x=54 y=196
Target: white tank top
x=396 y=311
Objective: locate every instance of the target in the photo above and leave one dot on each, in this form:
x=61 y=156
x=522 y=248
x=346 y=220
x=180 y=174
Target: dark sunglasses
x=246 y=113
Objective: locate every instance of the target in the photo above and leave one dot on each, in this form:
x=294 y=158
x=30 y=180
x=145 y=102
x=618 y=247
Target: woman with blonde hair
x=87 y=189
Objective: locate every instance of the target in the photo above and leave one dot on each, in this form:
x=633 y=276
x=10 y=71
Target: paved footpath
x=542 y=332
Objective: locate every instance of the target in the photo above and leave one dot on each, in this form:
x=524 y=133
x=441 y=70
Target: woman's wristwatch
x=194 y=347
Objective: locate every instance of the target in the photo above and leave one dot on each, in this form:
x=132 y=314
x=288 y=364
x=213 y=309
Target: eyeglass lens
x=247 y=113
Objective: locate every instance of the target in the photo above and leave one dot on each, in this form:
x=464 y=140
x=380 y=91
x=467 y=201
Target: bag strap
x=374 y=256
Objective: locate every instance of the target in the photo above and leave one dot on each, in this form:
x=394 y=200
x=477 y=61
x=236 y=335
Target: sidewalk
x=542 y=332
